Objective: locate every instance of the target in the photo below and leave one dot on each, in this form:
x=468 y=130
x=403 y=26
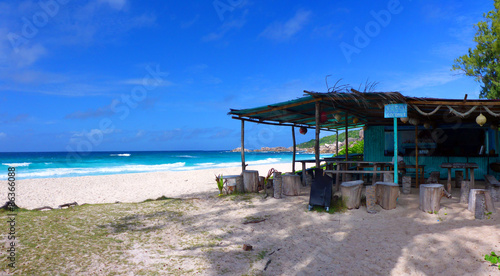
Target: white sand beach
x=34 y=193
x=293 y=241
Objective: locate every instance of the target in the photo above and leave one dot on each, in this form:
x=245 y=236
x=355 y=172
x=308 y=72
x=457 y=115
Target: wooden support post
x=346 y=137
x=416 y=156
x=337 y=145
x=294 y=150
x=243 y=165
x=316 y=144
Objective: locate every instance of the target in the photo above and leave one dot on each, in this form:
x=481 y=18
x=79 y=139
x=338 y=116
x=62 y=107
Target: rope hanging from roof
x=491 y=112
x=460 y=114
x=424 y=113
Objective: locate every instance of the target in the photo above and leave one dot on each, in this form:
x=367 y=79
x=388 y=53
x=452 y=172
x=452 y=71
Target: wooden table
x=466 y=166
x=342 y=168
x=304 y=167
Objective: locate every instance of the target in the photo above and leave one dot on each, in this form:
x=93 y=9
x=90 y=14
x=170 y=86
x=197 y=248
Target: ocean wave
x=185 y=156
x=24 y=164
x=121 y=154
x=70 y=172
x=211 y=165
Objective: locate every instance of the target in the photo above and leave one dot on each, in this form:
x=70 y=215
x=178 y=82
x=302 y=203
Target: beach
x=207 y=236
x=136 y=187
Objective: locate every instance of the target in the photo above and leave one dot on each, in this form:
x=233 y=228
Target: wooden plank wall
x=375 y=145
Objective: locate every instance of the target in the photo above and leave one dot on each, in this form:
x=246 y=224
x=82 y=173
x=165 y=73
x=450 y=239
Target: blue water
x=60 y=164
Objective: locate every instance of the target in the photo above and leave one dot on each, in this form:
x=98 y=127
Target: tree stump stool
x=459 y=177
x=387 y=194
x=251 y=181
x=406 y=184
x=262 y=181
x=493 y=186
x=479 y=206
x=351 y=193
x=388 y=177
x=291 y=185
x=234 y=182
x=277 y=184
x=487 y=200
x=430 y=197
x=371 y=199
x=433 y=178
x=464 y=192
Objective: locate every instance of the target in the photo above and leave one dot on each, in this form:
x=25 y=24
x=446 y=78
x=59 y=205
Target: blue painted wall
x=374 y=146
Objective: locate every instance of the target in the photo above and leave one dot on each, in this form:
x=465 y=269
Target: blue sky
x=127 y=75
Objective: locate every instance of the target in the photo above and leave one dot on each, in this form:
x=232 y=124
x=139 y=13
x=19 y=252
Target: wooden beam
x=454 y=103
x=281 y=107
x=243 y=165
x=277 y=124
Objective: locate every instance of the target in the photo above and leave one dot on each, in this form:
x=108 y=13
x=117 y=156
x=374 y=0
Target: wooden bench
x=493 y=186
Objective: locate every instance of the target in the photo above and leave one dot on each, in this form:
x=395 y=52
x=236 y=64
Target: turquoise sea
x=61 y=164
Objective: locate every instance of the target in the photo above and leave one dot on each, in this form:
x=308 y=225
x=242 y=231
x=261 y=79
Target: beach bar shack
x=438 y=135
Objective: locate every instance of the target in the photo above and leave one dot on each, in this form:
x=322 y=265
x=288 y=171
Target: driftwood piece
x=433 y=178
x=487 y=200
x=251 y=181
x=406 y=184
x=387 y=194
x=291 y=185
x=351 y=193
x=430 y=197
x=277 y=184
x=44 y=208
x=459 y=177
x=67 y=205
x=493 y=186
x=464 y=192
x=254 y=221
x=371 y=199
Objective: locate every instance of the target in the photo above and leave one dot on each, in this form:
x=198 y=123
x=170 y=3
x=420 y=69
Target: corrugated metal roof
x=361 y=108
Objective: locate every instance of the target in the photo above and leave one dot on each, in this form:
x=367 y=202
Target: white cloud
x=286 y=30
x=149 y=82
x=410 y=82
